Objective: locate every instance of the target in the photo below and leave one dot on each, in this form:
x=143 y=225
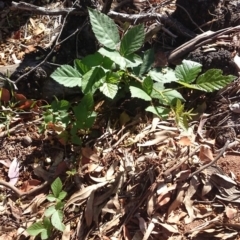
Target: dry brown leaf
x=164 y=195
x=158 y=137
x=15 y=60
x=205 y=154
x=126 y=233
x=111 y=224
x=179 y=198
x=207 y=187
x=89 y=209
x=31 y=20
x=91 y=154
x=141 y=223
x=170 y=227
x=42 y=173
x=113 y=188
x=67 y=232
x=185 y=141
x=137 y=235
x=188 y=202
x=174 y=218
x=155 y=122
x=151 y=205
x=30 y=184
x=84 y=193
x=32 y=207
x=92 y=167
x=202 y=121
x=230 y=212
x=101 y=179
x=149 y=230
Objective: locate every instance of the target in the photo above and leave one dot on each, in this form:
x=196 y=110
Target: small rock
x=27 y=140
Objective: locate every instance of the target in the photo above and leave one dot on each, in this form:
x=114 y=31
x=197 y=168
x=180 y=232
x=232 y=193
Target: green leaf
x=76 y=140
x=109 y=90
x=46 y=222
x=62 y=105
x=213 y=80
x=35 y=229
x=188 y=71
x=132 y=40
x=164 y=75
x=45 y=234
x=48 y=227
x=147 y=85
x=80 y=67
x=171 y=94
x=157 y=90
x=148 y=60
x=180 y=116
x=59 y=205
x=90 y=78
x=159 y=111
x=133 y=60
x=84 y=113
x=104 y=28
x=114 y=56
x=139 y=93
x=62 y=195
x=92 y=60
x=56 y=220
x=49 y=211
x=56 y=187
x=67 y=76
x=88 y=123
x=48 y=117
x=112 y=77
x=87 y=102
x=51 y=198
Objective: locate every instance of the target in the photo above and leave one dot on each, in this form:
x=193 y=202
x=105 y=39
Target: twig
x=211 y=163
x=13 y=129
x=144 y=17
x=21 y=194
x=170 y=170
x=48 y=55
x=44 y=11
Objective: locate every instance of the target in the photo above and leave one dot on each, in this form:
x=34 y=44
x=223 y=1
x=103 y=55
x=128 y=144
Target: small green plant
x=116 y=69
x=53 y=216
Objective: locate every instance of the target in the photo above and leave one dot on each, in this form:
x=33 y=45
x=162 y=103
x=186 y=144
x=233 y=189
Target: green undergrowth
x=115 y=69
x=53 y=215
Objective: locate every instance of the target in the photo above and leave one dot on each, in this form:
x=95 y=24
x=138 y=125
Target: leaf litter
x=131 y=183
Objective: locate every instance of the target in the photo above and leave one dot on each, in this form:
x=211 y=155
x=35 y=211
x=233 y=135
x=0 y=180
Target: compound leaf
x=67 y=76
x=139 y=93
x=188 y=71
x=132 y=40
x=104 y=29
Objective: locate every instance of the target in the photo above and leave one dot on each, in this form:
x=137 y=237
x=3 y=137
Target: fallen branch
x=133 y=18
x=145 y=17
x=197 y=42
x=45 y=11
x=21 y=194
